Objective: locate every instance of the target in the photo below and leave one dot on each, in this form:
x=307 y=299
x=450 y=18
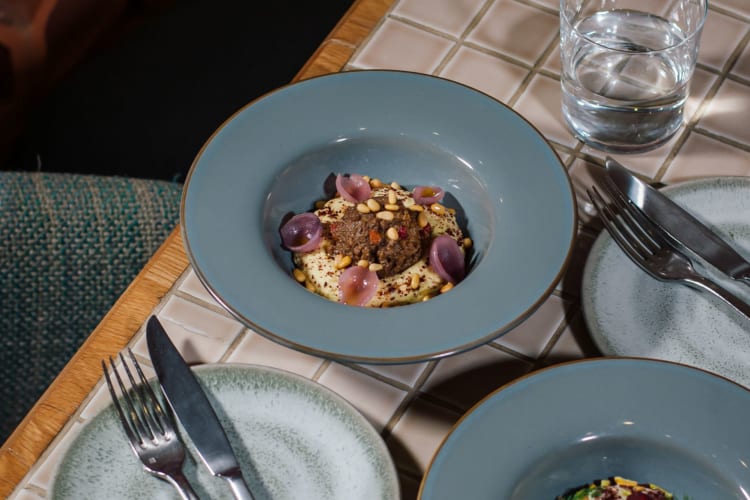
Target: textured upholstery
x=69 y=246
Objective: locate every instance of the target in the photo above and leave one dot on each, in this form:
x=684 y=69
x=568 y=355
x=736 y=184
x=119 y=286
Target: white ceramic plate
x=631 y=314
x=294 y=440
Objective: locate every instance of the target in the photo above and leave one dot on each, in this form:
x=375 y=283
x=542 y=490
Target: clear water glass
x=626 y=69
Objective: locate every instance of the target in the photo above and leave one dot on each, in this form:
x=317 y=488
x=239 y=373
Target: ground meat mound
x=364 y=237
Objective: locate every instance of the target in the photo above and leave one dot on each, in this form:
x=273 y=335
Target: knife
x=679 y=224
x=194 y=411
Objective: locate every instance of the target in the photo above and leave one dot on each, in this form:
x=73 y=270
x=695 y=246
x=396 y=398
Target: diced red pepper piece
x=375 y=236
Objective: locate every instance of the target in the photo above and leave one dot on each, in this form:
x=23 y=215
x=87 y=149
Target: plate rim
x=568 y=194
x=604 y=241
x=526 y=378
x=376 y=443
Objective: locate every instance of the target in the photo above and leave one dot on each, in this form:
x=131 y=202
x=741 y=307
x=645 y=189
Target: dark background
x=145 y=104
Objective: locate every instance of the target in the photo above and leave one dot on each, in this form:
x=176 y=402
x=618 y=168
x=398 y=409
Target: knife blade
x=679 y=223
x=193 y=409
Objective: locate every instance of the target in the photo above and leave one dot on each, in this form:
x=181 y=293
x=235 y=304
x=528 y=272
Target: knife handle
x=706 y=284
x=239 y=487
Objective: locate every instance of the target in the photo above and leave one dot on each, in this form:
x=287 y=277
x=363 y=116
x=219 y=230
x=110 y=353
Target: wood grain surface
x=53 y=410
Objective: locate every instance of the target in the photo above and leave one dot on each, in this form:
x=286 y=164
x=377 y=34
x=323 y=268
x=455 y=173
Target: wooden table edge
x=62 y=398
x=60 y=401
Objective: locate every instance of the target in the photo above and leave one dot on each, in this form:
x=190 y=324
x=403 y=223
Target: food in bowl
x=377 y=245
x=617 y=488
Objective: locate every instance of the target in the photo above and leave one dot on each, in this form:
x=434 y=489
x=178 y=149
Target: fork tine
x=616 y=229
x=126 y=424
x=150 y=403
x=141 y=429
x=650 y=231
x=630 y=220
x=149 y=429
x=146 y=419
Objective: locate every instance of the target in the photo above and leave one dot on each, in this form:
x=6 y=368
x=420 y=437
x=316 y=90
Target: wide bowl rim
x=542 y=375
x=571 y=219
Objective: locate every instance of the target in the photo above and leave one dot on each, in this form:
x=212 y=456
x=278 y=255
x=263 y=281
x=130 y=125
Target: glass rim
x=693 y=33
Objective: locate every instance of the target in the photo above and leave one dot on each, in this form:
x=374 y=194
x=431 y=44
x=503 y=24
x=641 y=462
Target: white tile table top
x=508 y=49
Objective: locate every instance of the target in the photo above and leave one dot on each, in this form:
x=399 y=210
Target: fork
x=149 y=429
x=649 y=248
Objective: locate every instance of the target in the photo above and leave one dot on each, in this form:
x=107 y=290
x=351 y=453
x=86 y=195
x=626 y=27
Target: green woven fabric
x=69 y=246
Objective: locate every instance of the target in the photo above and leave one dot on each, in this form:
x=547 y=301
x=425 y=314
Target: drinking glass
x=626 y=69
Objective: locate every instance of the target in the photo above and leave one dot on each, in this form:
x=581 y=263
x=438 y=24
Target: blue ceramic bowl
x=274 y=156
x=681 y=428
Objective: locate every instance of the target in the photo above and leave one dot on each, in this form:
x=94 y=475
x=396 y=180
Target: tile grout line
x=366 y=42
x=728 y=13
x=409 y=398
x=701 y=110
x=461 y=41
x=724 y=74
x=573 y=310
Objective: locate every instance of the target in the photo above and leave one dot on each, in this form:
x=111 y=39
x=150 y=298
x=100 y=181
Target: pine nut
x=422 y=219
x=392 y=233
x=366 y=178
x=376 y=183
x=362 y=208
x=467 y=242
x=392 y=199
x=299 y=275
x=415 y=208
x=395 y=185
x=385 y=215
x=447 y=287
x=375 y=267
x=415 y=279
x=344 y=262
x=392 y=208
x=451 y=210
x=310 y=286
x=408 y=202
x=373 y=205
x=363 y=263
x=437 y=208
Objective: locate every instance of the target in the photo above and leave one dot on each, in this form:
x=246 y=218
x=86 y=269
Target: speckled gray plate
x=295 y=439
x=631 y=314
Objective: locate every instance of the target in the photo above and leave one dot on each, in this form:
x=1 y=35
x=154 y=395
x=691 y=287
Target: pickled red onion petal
x=302 y=233
x=357 y=285
x=447 y=259
x=427 y=195
x=353 y=187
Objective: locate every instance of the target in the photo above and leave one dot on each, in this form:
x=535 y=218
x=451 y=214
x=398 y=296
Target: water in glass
x=625 y=78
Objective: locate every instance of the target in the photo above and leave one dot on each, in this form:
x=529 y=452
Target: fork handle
x=717 y=290
x=181 y=484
